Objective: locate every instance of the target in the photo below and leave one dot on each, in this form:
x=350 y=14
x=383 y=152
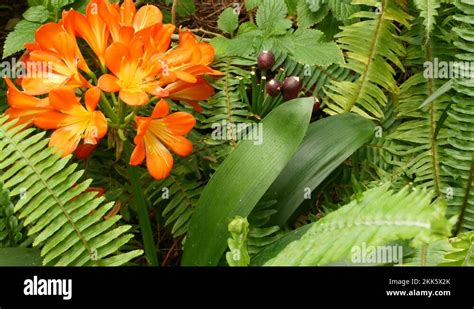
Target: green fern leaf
x=370 y=45
x=377 y=218
x=66 y=222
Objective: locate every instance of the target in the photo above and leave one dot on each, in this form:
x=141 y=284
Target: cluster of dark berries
x=291 y=86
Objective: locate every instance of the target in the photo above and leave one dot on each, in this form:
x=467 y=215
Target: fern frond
x=260 y=234
x=462 y=252
x=431 y=254
x=226 y=104
x=370 y=45
x=66 y=221
x=428 y=11
x=377 y=218
x=459 y=162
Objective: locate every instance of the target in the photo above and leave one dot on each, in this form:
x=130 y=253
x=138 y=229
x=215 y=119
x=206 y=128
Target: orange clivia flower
x=157 y=133
x=23 y=106
x=134 y=58
x=71 y=120
x=137 y=73
x=90 y=27
x=57 y=47
x=134 y=77
x=125 y=21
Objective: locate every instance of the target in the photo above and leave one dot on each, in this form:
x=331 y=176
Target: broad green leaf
x=37 y=14
x=327 y=144
x=242 y=179
x=308 y=48
x=307 y=18
x=271 y=17
x=23 y=33
x=252 y=4
x=20 y=257
x=228 y=21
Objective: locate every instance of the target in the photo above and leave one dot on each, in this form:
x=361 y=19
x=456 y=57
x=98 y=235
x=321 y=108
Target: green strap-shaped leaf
x=242 y=179
x=327 y=144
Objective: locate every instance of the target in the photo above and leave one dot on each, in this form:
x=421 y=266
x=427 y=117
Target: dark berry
x=291 y=87
x=273 y=87
x=266 y=60
x=316 y=105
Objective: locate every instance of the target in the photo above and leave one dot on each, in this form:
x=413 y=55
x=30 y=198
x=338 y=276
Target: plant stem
x=107 y=108
x=173 y=12
x=142 y=210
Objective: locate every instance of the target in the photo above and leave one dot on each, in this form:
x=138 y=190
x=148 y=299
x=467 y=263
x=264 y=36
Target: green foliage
x=66 y=221
x=242 y=179
x=10 y=228
x=228 y=21
x=377 y=218
x=459 y=161
x=370 y=44
x=462 y=251
x=273 y=32
x=36 y=14
x=19 y=257
x=238 y=253
x=335 y=139
x=428 y=11
x=23 y=33
x=40 y=11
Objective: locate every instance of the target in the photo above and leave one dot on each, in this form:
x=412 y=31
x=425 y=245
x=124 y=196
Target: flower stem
x=142 y=210
x=107 y=108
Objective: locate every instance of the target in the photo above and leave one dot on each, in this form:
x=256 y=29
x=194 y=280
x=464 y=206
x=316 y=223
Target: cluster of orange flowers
x=132 y=50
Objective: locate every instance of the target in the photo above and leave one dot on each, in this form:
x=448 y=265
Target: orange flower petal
x=50 y=120
x=115 y=55
x=127 y=12
x=161 y=109
x=180 y=145
x=65 y=140
x=186 y=77
x=101 y=124
x=190 y=92
x=159 y=160
x=147 y=16
x=92 y=98
x=64 y=99
x=109 y=83
x=142 y=125
x=180 y=123
x=138 y=154
x=134 y=97
x=207 y=53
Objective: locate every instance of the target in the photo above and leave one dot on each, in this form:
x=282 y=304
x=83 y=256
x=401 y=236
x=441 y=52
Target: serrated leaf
x=228 y=21
x=307 y=17
x=306 y=46
x=271 y=17
x=37 y=14
x=252 y=4
x=23 y=33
